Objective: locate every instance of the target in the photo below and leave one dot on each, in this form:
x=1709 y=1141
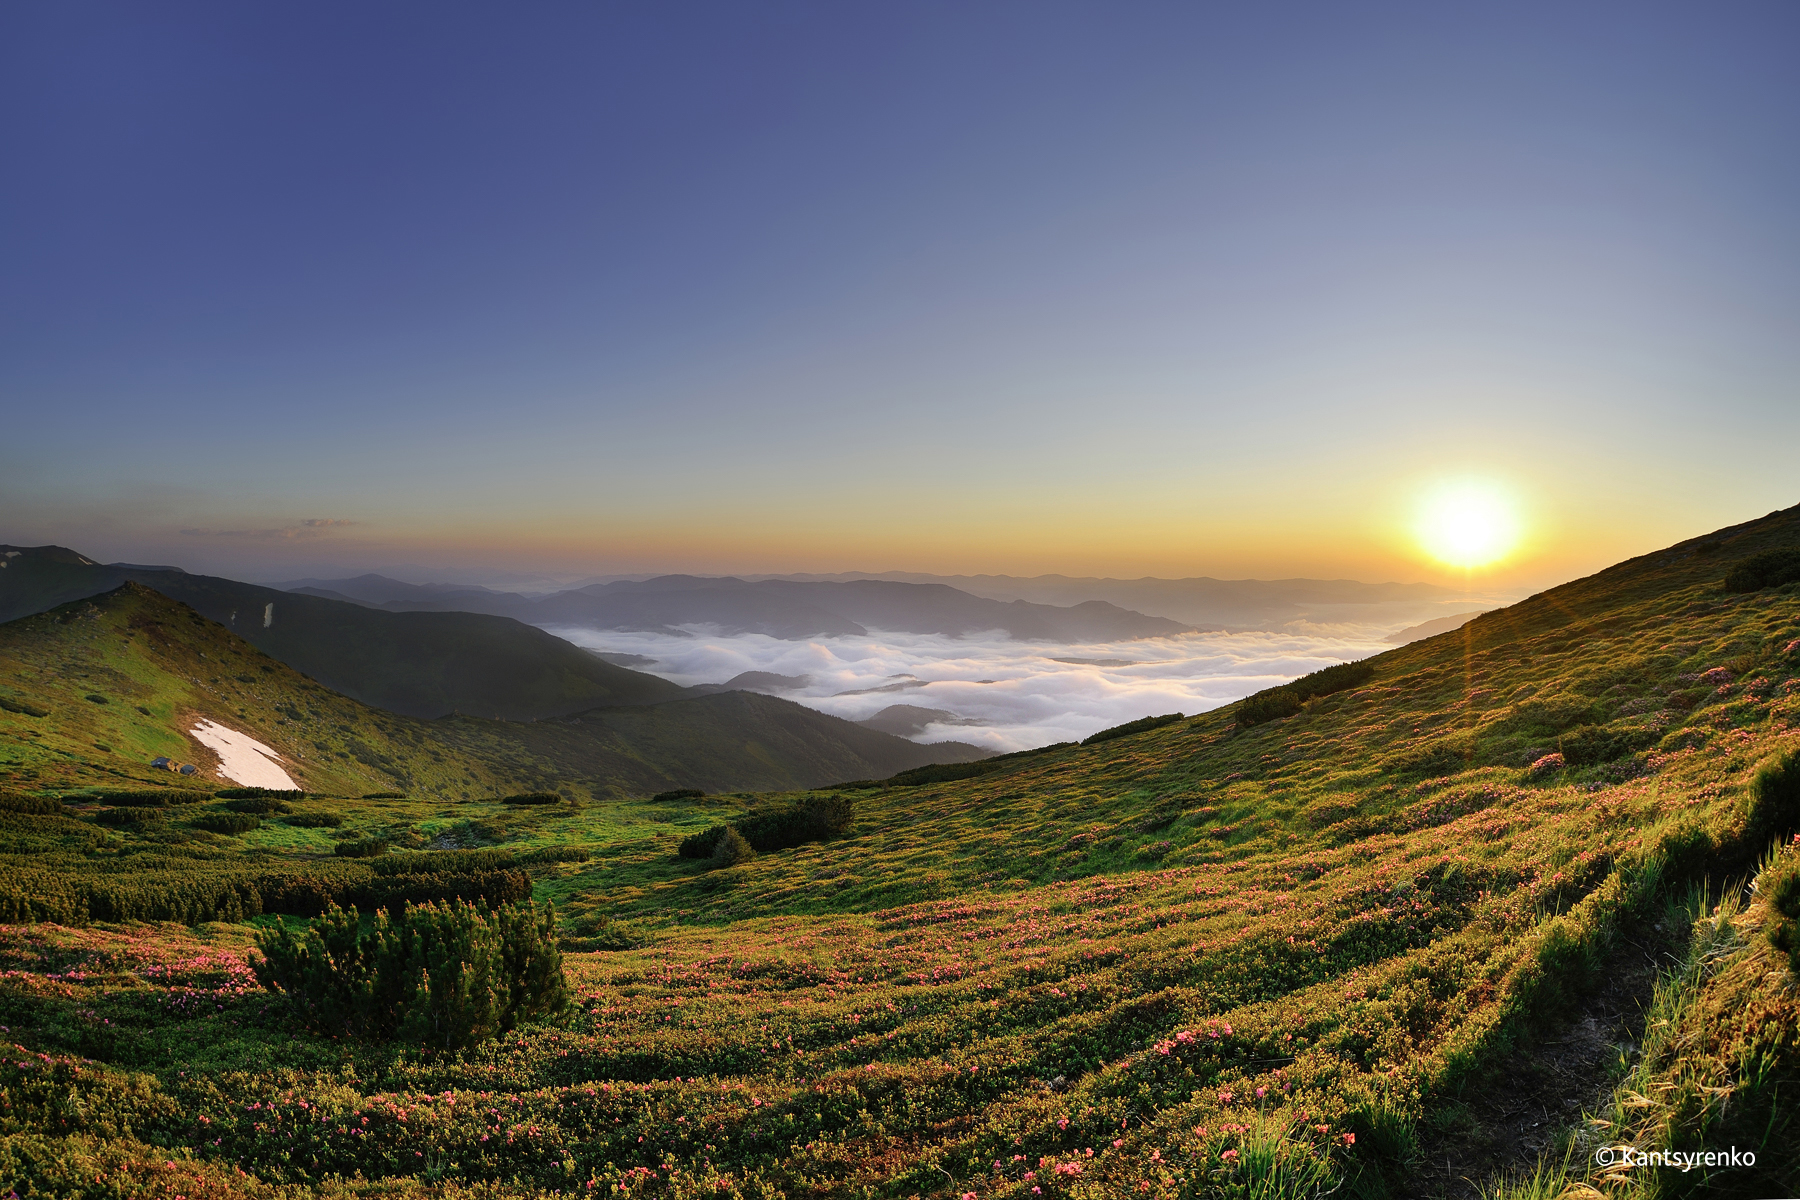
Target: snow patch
x=243 y=759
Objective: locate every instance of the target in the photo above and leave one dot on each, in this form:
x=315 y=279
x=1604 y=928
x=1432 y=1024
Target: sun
x=1468 y=524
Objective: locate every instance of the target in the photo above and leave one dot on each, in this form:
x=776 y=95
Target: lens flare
x=1468 y=524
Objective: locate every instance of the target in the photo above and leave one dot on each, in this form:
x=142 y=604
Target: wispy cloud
x=311 y=527
x=1017 y=694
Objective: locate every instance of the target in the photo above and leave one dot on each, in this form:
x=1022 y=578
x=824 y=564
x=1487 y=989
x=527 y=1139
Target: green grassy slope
x=419 y=664
x=741 y=741
x=157 y=667
x=1204 y=960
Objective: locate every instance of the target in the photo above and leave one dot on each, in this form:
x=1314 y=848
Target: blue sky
x=1146 y=289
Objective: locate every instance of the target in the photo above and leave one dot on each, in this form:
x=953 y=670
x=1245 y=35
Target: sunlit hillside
x=1312 y=954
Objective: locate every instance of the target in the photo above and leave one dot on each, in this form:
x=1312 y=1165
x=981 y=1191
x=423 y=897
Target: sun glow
x=1468 y=524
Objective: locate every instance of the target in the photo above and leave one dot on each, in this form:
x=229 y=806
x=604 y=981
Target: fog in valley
x=986 y=689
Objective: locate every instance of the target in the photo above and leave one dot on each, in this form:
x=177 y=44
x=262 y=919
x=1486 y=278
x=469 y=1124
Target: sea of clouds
x=1006 y=694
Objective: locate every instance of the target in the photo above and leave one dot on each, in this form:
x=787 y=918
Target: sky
x=1097 y=289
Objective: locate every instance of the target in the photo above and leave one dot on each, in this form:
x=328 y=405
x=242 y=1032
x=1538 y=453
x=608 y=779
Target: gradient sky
x=1166 y=289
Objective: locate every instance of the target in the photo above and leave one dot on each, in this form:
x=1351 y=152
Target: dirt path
x=1508 y=1121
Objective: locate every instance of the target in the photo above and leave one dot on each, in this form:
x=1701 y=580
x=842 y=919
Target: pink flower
x=1349 y=1139
x=1230 y=1156
x=1118 y=1142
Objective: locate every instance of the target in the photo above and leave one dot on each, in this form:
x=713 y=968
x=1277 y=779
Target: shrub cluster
x=43 y=806
x=1141 y=725
x=260 y=805
x=679 y=794
x=951 y=772
x=438 y=862
x=367 y=847
x=72 y=893
x=1272 y=704
x=1771 y=568
x=22 y=708
x=316 y=820
x=816 y=818
x=533 y=798
x=149 y=797
x=250 y=793
x=731 y=848
x=384 y=795
x=463 y=862
x=227 y=822
x=130 y=816
x=446 y=977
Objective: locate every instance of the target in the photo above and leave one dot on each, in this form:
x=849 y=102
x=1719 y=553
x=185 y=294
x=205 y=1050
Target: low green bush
x=1272 y=704
x=367 y=847
x=185 y=889
x=679 y=794
x=130 y=816
x=149 y=797
x=731 y=848
x=315 y=820
x=1141 y=725
x=227 y=822
x=22 y=708
x=1771 y=568
x=447 y=977
x=436 y=862
x=816 y=818
x=260 y=805
x=248 y=793
x=45 y=806
x=384 y=795
x=533 y=798
x=1326 y=681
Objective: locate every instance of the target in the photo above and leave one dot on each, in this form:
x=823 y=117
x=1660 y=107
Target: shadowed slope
x=419 y=664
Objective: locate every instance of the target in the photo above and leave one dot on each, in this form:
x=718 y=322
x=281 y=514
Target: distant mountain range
x=1206 y=603
x=1043 y=607
x=780 y=608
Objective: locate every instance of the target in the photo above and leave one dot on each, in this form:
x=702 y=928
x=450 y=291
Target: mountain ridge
x=158 y=666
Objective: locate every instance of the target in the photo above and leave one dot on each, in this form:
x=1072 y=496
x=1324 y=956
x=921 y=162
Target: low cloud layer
x=1021 y=694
